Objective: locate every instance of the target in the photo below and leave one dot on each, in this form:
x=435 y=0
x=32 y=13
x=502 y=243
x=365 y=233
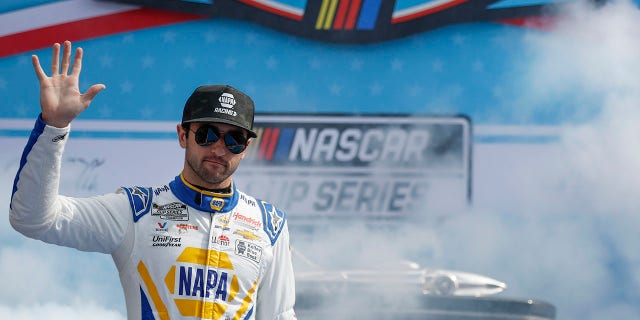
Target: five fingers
x=92 y=92
x=55 y=61
x=57 y=69
x=66 y=57
x=36 y=66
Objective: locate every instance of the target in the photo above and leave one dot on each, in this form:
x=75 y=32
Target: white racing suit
x=181 y=253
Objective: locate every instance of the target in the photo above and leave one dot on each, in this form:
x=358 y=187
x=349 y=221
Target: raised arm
x=60 y=97
x=36 y=210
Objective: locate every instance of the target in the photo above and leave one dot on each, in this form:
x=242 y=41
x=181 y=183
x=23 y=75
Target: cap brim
x=252 y=134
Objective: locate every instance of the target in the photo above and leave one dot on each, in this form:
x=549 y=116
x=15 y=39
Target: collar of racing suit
x=202 y=199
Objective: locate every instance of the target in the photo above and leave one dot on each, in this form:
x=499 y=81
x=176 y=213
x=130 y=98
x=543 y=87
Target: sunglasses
x=207 y=135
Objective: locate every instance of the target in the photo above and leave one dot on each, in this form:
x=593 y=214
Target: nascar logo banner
x=360 y=166
x=311 y=166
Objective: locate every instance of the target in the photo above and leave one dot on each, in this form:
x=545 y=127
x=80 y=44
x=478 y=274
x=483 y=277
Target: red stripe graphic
x=273 y=141
x=354 y=11
x=543 y=23
x=340 y=16
x=90 y=28
x=273 y=9
x=426 y=12
x=264 y=144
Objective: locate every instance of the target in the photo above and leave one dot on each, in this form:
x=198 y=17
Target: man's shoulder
x=141 y=198
x=273 y=218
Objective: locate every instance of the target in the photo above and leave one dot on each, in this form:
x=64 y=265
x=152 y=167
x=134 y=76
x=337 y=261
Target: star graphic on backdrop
x=478 y=66
x=414 y=90
x=356 y=64
x=189 y=62
x=210 y=36
x=290 y=89
x=315 y=63
x=21 y=110
x=375 y=89
x=272 y=63
x=458 y=39
x=126 y=86
x=497 y=91
x=147 y=112
x=22 y=60
x=148 y=62
x=106 y=61
x=169 y=36
x=437 y=65
x=251 y=38
x=230 y=63
x=128 y=38
x=502 y=40
x=457 y=90
x=168 y=87
x=397 y=64
x=417 y=41
x=104 y=111
x=335 y=89
x=250 y=88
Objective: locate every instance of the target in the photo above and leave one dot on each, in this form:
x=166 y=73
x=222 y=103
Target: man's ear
x=182 y=136
x=244 y=153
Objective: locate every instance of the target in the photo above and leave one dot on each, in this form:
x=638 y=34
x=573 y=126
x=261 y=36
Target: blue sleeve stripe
x=33 y=138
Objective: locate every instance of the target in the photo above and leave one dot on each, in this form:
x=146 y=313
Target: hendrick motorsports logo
x=366 y=166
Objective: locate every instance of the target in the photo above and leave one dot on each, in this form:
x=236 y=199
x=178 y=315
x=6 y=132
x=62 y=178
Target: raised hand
x=60 y=97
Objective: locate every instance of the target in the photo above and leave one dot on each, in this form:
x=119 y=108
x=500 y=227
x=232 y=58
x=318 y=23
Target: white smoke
x=563 y=230
x=556 y=222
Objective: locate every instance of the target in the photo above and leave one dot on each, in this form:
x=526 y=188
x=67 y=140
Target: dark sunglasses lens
x=206 y=135
x=235 y=142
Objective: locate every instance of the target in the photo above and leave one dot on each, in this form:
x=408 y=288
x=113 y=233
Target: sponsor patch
x=164 y=188
x=247 y=234
x=183 y=227
x=175 y=211
x=216 y=203
x=161 y=226
x=222 y=222
x=248 y=250
x=246 y=221
x=221 y=240
x=165 y=241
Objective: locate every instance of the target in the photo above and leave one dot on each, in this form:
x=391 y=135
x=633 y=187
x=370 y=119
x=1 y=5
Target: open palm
x=60 y=97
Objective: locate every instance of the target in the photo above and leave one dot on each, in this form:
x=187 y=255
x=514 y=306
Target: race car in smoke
x=404 y=276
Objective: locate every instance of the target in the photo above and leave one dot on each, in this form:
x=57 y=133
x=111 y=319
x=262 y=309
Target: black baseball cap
x=220 y=103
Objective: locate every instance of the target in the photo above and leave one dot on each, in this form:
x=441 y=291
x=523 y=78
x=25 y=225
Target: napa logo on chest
x=202 y=276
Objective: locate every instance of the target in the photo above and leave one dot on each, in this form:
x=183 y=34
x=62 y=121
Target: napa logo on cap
x=227 y=100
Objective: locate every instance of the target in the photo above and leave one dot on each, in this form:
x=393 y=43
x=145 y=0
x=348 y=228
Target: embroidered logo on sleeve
x=59 y=138
x=139 y=200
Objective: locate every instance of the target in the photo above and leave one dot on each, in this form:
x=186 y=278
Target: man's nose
x=219 y=148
